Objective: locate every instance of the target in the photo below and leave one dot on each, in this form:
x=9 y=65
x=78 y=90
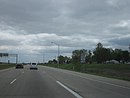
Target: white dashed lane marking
x=68 y=89
x=12 y=81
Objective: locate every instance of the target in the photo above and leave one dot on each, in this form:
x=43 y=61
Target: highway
x=47 y=82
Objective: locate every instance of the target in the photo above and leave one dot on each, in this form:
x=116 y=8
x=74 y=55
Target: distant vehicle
x=19 y=66
x=33 y=66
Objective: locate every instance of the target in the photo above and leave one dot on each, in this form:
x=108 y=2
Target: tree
x=61 y=59
x=118 y=54
x=64 y=60
x=52 y=61
x=99 y=46
x=101 y=54
x=89 y=57
x=125 y=56
x=67 y=60
x=78 y=56
x=98 y=53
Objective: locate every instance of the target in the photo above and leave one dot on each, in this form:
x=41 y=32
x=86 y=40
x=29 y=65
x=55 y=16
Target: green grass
x=118 y=71
x=5 y=66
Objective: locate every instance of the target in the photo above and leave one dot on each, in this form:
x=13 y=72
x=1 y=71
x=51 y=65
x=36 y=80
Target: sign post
x=9 y=55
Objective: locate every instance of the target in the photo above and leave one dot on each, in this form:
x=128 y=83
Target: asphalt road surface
x=49 y=82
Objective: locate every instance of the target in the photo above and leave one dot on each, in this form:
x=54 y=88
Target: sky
x=27 y=27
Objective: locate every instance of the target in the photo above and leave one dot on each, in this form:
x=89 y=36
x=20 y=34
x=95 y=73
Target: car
x=33 y=66
x=19 y=66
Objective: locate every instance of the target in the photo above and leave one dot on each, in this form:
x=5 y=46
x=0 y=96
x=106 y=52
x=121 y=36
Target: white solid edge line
x=5 y=69
x=68 y=89
x=105 y=82
x=112 y=84
x=12 y=81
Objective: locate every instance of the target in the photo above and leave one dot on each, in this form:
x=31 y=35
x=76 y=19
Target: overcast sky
x=28 y=27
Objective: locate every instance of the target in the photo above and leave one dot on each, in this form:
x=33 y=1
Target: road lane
x=91 y=86
x=33 y=84
x=43 y=83
x=6 y=76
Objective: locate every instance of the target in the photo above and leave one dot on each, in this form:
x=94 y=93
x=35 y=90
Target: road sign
x=4 y=54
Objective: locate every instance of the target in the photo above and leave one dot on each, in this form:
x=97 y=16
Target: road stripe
x=68 y=89
x=105 y=82
x=6 y=69
x=112 y=84
x=12 y=81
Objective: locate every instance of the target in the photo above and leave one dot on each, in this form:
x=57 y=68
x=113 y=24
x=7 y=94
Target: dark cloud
x=33 y=24
x=9 y=42
x=55 y=16
x=122 y=41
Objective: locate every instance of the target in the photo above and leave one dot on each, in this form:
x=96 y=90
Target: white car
x=33 y=66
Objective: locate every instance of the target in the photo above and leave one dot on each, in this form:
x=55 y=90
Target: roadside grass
x=118 y=71
x=5 y=66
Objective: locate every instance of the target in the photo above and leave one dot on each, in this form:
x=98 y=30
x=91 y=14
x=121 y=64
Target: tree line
x=99 y=55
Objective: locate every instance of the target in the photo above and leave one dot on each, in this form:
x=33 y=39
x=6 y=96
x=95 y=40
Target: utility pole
x=16 y=58
x=58 y=53
x=43 y=58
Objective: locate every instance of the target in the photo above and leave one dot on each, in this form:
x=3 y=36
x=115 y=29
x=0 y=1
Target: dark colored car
x=19 y=66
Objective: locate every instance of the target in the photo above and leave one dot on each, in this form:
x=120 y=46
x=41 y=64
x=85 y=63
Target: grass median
x=5 y=66
x=118 y=71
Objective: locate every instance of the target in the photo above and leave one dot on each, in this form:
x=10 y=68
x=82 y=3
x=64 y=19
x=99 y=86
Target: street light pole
x=58 y=51
x=16 y=58
x=129 y=50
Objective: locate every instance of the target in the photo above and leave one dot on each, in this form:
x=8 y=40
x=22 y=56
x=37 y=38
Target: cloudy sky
x=28 y=27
